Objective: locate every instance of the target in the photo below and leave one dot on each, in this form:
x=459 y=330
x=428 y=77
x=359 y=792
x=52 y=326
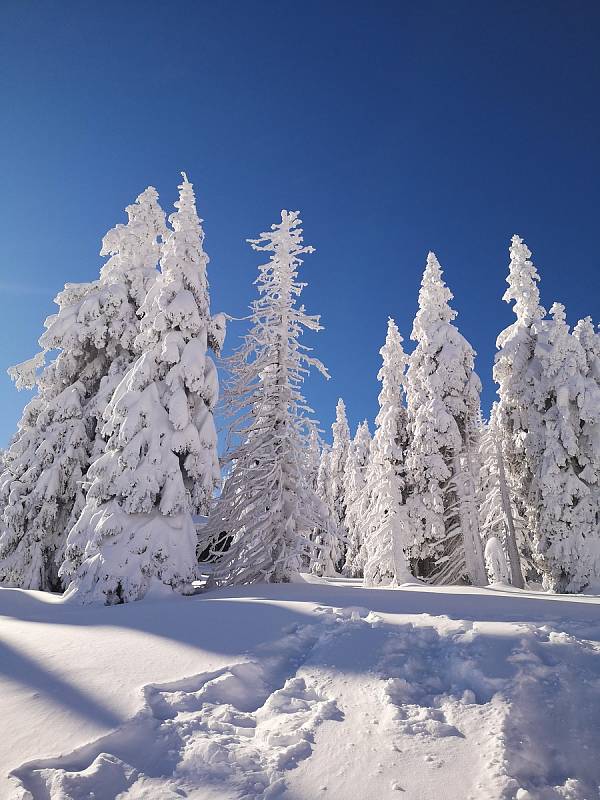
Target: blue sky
x=394 y=127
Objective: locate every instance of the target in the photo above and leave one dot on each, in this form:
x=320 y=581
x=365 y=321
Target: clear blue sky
x=394 y=127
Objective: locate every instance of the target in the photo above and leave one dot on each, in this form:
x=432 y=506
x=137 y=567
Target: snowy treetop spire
x=522 y=282
x=557 y=312
x=134 y=248
x=394 y=358
x=434 y=297
x=184 y=264
x=284 y=237
x=340 y=427
x=391 y=373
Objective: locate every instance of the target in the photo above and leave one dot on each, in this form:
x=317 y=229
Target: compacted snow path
x=363 y=703
x=458 y=710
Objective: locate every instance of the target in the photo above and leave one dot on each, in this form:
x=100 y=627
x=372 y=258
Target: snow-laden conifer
x=589 y=338
x=331 y=542
x=313 y=457
x=443 y=406
x=160 y=463
x=385 y=521
x=497 y=515
x=340 y=445
x=355 y=481
x=519 y=412
x=327 y=536
x=566 y=524
x=268 y=508
x=92 y=334
x=589 y=439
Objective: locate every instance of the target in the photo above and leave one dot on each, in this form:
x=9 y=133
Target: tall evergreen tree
x=355 y=481
x=519 y=411
x=443 y=406
x=567 y=529
x=160 y=463
x=589 y=442
x=589 y=339
x=268 y=507
x=313 y=457
x=93 y=334
x=327 y=536
x=497 y=515
x=338 y=457
x=385 y=520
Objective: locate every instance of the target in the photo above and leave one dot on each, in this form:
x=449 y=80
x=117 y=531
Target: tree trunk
x=474 y=562
x=511 y=537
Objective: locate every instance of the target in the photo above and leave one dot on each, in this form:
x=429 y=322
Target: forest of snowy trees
x=112 y=484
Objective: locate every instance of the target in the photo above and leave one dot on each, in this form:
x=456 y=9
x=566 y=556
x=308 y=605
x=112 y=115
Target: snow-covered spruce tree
x=41 y=484
x=567 y=525
x=355 y=481
x=313 y=457
x=93 y=334
x=497 y=516
x=589 y=339
x=332 y=541
x=443 y=407
x=340 y=445
x=548 y=422
x=385 y=522
x=589 y=441
x=160 y=463
x=268 y=507
x=319 y=558
x=134 y=250
x=327 y=536
x=519 y=412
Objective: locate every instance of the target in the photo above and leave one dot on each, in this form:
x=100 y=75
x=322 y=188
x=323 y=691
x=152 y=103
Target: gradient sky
x=395 y=128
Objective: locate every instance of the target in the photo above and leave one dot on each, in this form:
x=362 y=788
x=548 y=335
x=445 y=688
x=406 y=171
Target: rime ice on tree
x=518 y=416
x=268 y=508
x=443 y=407
x=498 y=518
x=566 y=527
x=331 y=541
x=356 y=494
x=385 y=521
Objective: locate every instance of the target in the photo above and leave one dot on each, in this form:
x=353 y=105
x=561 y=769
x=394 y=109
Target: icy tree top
x=285 y=241
x=434 y=297
x=391 y=415
x=135 y=246
x=184 y=261
x=522 y=282
x=391 y=373
x=340 y=429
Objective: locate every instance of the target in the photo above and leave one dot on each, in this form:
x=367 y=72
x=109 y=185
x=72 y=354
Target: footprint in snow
x=234 y=732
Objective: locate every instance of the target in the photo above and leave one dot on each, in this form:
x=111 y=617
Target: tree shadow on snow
x=20 y=668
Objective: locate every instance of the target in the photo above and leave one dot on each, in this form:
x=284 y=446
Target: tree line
x=114 y=467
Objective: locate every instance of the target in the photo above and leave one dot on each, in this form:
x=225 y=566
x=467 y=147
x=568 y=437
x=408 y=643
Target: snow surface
x=313 y=689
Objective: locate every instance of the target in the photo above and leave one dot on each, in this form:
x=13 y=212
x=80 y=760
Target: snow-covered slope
x=300 y=691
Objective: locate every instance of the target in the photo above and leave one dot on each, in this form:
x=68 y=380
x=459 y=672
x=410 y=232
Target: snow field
x=367 y=697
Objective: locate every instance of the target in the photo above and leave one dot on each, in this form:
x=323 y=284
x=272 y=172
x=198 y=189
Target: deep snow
x=300 y=691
